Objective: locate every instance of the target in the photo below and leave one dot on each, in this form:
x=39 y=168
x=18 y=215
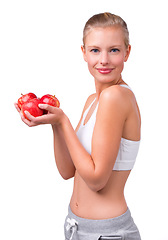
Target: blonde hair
x=103 y=20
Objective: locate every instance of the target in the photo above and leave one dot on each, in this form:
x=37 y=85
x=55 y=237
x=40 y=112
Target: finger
x=29 y=120
x=25 y=120
x=29 y=116
x=47 y=107
x=17 y=107
x=34 y=121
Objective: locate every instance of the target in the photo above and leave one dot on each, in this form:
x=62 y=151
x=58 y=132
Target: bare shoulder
x=117 y=101
x=117 y=91
x=117 y=95
x=118 y=107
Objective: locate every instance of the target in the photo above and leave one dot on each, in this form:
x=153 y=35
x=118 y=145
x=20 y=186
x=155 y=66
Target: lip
x=105 y=70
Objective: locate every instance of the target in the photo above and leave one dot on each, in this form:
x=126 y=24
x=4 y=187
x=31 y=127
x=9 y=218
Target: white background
x=40 y=52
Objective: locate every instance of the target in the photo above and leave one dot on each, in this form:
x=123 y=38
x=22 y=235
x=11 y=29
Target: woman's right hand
x=54 y=116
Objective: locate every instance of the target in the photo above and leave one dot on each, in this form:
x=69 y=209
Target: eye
x=115 y=50
x=94 y=50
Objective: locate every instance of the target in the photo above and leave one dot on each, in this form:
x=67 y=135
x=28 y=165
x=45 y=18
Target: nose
x=104 y=59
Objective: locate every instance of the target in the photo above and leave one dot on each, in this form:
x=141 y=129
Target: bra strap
x=86 y=111
x=126 y=86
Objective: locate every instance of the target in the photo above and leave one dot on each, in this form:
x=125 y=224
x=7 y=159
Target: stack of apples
x=29 y=102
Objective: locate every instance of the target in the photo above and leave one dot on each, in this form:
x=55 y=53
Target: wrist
x=61 y=118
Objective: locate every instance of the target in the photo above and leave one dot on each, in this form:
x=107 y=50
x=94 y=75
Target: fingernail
x=41 y=105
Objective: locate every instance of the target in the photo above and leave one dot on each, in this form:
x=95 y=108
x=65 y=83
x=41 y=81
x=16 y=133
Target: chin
x=106 y=79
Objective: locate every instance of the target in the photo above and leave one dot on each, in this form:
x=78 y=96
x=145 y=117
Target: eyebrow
x=114 y=46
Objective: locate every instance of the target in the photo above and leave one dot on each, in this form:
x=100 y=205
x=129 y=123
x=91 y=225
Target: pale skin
x=98 y=190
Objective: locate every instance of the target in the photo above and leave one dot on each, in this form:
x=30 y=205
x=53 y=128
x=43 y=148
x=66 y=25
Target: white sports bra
x=128 y=149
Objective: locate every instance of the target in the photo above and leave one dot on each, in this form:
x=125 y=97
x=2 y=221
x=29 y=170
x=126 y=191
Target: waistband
x=123 y=221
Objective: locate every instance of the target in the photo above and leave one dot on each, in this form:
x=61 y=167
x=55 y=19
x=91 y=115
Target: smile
x=105 y=70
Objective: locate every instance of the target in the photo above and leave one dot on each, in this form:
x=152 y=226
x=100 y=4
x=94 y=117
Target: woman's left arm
x=95 y=169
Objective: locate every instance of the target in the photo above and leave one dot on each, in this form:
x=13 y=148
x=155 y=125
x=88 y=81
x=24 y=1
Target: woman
x=101 y=152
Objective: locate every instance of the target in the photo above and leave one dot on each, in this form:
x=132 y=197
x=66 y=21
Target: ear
x=127 y=53
x=84 y=52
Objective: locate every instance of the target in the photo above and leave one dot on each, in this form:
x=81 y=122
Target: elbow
x=96 y=186
x=98 y=181
x=67 y=175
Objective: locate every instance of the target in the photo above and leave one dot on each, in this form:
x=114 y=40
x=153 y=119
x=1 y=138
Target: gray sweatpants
x=122 y=227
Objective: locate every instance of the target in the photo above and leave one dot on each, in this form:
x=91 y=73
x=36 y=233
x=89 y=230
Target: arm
x=62 y=156
x=95 y=169
x=63 y=159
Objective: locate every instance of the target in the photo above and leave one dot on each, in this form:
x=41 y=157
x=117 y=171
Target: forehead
x=106 y=36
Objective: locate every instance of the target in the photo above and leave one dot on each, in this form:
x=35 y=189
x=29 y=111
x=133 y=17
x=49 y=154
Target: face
x=105 y=53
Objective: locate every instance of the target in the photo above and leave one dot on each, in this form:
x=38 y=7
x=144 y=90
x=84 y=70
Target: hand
x=53 y=117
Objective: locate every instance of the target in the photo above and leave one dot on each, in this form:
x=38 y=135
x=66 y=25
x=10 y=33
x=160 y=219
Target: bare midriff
x=109 y=202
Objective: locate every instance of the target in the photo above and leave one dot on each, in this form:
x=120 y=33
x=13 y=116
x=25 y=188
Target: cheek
x=91 y=60
x=91 y=69
x=118 y=61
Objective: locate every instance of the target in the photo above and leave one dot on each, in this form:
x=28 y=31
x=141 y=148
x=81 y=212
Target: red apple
x=50 y=100
x=32 y=107
x=24 y=98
